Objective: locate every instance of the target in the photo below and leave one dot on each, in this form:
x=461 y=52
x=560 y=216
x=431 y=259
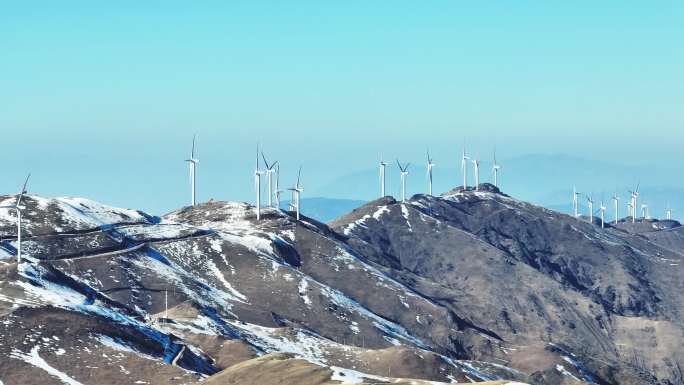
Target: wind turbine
x=404 y=172
x=269 y=173
x=590 y=203
x=296 y=193
x=464 y=168
x=382 y=176
x=630 y=208
x=575 y=201
x=430 y=165
x=495 y=170
x=603 y=213
x=277 y=190
x=476 y=166
x=257 y=185
x=193 y=166
x=635 y=197
x=17 y=208
x=668 y=212
x=616 y=200
x=644 y=211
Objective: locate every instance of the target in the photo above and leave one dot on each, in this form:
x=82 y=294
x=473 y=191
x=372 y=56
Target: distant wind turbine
x=635 y=198
x=590 y=203
x=193 y=169
x=644 y=211
x=668 y=212
x=464 y=168
x=404 y=172
x=616 y=200
x=603 y=214
x=575 y=201
x=17 y=208
x=476 y=170
x=278 y=191
x=296 y=193
x=382 y=176
x=269 y=173
x=430 y=165
x=257 y=184
x=495 y=169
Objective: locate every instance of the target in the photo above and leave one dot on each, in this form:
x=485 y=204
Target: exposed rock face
x=471 y=286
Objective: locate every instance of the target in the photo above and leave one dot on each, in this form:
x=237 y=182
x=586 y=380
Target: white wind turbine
x=404 y=172
x=17 y=208
x=476 y=167
x=630 y=208
x=590 y=203
x=616 y=200
x=277 y=189
x=644 y=211
x=296 y=193
x=382 y=176
x=464 y=168
x=193 y=169
x=635 y=197
x=257 y=185
x=575 y=201
x=269 y=173
x=668 y=212
x=603 y=214
x=430 y=165
x=495 y=169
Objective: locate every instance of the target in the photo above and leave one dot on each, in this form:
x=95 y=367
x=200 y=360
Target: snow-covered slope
x=188 y=295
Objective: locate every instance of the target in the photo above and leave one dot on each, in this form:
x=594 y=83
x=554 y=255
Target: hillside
x=471 y=286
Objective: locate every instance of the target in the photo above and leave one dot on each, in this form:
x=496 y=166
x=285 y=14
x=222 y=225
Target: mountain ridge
x=426 y=276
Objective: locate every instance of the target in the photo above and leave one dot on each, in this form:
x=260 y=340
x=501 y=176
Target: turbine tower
x=382 y=176
x=575 y=201
x=277 y=189
x=644 y=211
x=404 y=172
x=17 y=208
x=603 y=214
x=616 y=200
x=590 y=203
x=495 y=170
x=257 y=185
x=635 y=197
x=430 y=165
x=269 y=173
x=476 y=167
x=193 y=169
x=296 y=193
x=464 y=168
x=668 y=212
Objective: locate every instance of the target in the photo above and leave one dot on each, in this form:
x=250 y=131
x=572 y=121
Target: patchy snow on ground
x=33 y=358
x=303 y=288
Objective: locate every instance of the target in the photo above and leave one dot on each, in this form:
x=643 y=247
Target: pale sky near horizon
x=101 y=98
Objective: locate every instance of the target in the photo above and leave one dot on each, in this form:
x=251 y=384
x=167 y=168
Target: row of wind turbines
x=269 y=171
x=274 y=191
x=465 y=161
x=632 y=206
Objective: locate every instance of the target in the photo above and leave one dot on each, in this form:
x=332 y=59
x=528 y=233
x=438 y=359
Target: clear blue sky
x=101 y=98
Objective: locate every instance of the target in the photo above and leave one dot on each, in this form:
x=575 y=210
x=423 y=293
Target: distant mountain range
x=326 y=209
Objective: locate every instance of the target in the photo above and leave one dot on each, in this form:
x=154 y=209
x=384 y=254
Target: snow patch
x=33 y=358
